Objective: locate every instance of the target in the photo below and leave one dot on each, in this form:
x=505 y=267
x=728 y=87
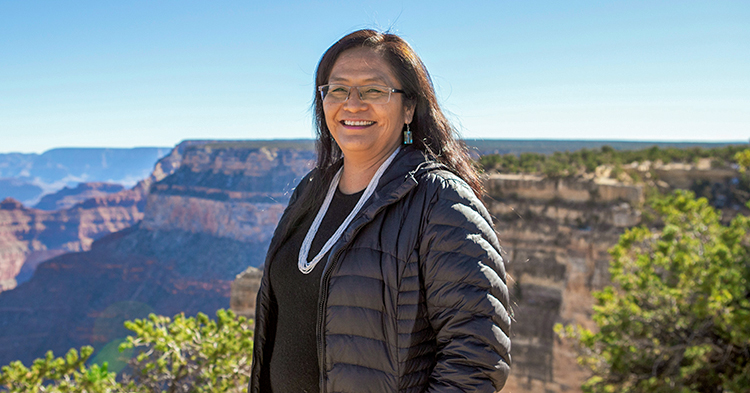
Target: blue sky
x=153 y=73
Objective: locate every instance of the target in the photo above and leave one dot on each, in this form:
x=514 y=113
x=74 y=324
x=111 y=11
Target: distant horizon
x=619 y=141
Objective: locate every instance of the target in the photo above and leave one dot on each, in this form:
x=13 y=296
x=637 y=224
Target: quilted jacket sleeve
x=466 y=292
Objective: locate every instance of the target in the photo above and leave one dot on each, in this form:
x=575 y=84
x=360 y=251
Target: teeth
x=358 y=123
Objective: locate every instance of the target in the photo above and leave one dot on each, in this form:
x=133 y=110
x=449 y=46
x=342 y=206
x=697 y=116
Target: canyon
x=30 y=236
x=206 y=213
x=208 y=210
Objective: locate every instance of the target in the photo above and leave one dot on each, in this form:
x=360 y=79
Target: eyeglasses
x=371 y=94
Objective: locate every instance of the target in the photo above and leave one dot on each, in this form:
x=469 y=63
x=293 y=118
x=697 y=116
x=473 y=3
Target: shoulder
x=448 y=190
x=442 y=181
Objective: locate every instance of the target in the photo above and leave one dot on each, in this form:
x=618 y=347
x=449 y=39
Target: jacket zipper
x=328 y=268
x=323 y=295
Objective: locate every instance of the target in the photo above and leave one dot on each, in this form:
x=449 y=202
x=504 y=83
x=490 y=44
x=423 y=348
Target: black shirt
x=293 y=363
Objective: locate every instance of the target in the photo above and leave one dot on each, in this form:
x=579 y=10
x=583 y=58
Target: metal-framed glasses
x=371 y=94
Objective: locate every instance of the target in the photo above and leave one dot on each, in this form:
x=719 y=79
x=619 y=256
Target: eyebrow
x=368 y=80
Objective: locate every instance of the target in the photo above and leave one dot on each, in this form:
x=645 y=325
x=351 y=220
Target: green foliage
x=563 y=164
x=677 y=317
x=180 y=354
x=58 y=375
x=191 y=354
x=743 y=159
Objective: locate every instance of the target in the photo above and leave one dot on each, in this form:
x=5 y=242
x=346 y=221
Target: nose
x=354 y=103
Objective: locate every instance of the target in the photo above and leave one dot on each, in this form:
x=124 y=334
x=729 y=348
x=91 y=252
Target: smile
x=357 y=123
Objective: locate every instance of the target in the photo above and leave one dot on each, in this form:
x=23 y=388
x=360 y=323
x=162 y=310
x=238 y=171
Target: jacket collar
x=400 y=178
x=405 y=169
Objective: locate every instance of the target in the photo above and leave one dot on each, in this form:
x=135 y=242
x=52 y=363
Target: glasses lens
x=374 y=94
x=335 y=93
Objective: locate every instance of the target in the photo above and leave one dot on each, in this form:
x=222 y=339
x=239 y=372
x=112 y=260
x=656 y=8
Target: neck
x=357 y=173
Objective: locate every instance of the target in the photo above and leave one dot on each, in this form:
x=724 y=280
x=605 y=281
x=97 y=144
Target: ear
x=409 y=108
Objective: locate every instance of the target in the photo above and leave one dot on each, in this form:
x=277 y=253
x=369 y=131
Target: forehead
x=362 y=66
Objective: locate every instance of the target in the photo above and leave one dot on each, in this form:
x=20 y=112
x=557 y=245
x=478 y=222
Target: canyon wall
x=31 y=236
x=555 y=234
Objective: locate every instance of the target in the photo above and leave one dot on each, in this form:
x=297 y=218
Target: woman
x=384 y=273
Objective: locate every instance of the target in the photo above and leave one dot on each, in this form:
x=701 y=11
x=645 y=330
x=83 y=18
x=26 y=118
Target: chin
x=356 y=142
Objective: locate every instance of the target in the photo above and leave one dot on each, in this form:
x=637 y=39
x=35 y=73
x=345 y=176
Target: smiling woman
x=367 y=132
x=384 y=273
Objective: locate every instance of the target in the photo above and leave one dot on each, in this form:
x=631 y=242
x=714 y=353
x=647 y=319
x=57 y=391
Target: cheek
x=328 y=117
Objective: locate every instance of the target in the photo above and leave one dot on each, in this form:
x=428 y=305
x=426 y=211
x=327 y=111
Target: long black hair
x=432 y=132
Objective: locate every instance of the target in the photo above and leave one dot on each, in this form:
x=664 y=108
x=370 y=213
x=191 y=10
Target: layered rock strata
x=556 y=247
x=30 y=236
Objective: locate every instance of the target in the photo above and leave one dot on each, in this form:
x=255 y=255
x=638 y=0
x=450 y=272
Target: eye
x=375 y=90
x=338 y=92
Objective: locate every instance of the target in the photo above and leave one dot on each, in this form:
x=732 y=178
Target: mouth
x=357 y=123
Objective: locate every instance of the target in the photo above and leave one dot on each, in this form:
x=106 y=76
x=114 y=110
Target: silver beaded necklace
x=306 y=267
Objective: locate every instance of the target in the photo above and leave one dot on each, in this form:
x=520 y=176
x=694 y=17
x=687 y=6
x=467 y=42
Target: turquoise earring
x=407 y=136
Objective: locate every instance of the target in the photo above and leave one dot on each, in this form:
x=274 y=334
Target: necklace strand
x=306 y=267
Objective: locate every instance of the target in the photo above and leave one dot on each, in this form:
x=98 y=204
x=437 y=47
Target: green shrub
x=677 y=317
x=180 y=354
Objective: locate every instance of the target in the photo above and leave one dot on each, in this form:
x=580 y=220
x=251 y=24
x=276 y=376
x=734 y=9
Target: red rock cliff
x=30 y=236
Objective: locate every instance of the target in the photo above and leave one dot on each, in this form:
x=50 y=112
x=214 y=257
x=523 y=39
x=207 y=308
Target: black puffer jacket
x=413 y=297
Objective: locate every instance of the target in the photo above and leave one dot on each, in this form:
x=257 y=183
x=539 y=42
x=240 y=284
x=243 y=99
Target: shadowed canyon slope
x=203 y=224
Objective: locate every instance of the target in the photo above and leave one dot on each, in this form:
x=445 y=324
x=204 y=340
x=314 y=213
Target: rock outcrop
x=244 y=292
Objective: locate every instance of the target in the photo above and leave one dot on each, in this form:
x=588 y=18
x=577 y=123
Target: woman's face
x=363 y=130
